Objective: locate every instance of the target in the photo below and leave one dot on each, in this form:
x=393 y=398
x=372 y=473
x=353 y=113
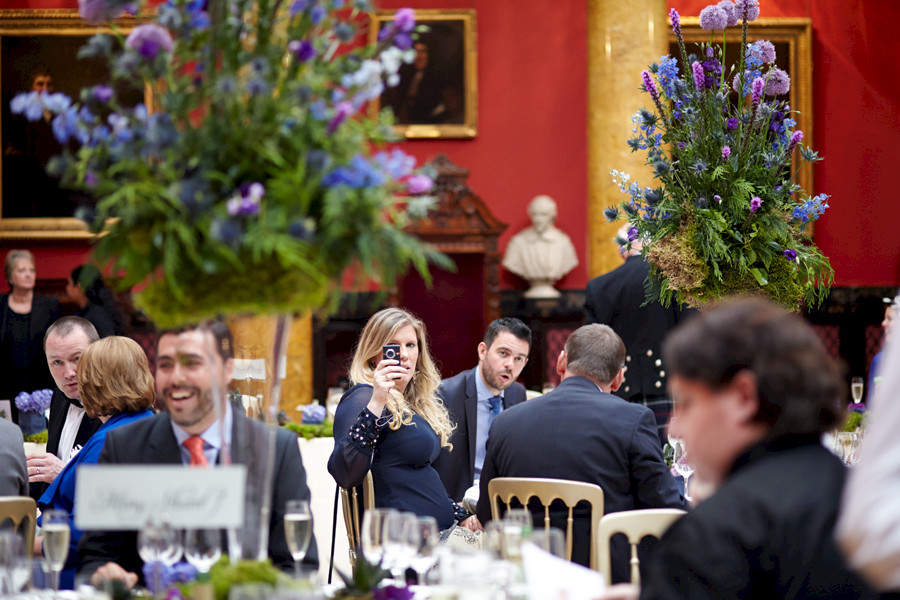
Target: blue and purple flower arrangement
x=32 y=407
x=251 y=179
x=726 y=216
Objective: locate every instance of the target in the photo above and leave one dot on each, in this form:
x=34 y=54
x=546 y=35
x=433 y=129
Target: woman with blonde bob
x=392 y=422
x=116 y=386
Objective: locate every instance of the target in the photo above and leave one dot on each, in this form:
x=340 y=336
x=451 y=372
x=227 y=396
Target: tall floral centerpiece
x=725 y=216
x=251 y=180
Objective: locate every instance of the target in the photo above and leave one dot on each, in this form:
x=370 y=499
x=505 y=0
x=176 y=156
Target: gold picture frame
x=33 y=40
x=792 y=38
x=437 y=95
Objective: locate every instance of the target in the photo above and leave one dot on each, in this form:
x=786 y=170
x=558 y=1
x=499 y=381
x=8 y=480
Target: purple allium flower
x=405 y=20
x=36 y=402
x=731 y=123
x=712 y=17
x=419 y=184
x=403 y=41
x=301 y=49
x=756 y=91
x=764 y=50
x=747 y=9
x=697 y=69
x=392 y=592
x=676 y=22
x=147 y=40
x=102 y=93
x=730 y=12
x=755 y=203
x=632 y=234
x=682 y=145
x=246 y=200
x=726 y=152
x=96 y=12
x=718 y=198
x=777 y=82
x=342 y=110
x=795 y=139
x=649 y=86
x=790 y=254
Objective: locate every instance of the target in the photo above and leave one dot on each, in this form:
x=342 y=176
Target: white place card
x=122 y=497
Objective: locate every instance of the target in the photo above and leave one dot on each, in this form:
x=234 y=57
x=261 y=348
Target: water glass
x=372 y=535
x=15 y=563
x=203 y=548
x=297 y=530
x=400 y=542
x=426 y=535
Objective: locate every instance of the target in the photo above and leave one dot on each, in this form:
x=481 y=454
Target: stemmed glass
x=372 y=535
x=856 y=389
x=159 y=542
x=297 y=530
x=15 y=563
x=203 y=549
x=400 y=542
x=56 y=532
x=682 y=466
x=426 y=536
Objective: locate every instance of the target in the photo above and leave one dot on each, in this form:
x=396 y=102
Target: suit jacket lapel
x=471 y=419
x=162 y=444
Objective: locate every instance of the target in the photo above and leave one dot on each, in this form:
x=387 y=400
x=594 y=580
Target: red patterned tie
x=194 y=444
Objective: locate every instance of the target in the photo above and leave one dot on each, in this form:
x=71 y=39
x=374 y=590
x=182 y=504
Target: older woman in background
x=115 y=386
x=392 y=422
x=24 y=317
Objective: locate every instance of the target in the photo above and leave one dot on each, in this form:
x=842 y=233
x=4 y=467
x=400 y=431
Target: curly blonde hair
x=420 y=396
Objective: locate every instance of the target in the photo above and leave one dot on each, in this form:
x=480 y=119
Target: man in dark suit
x=476 y=396
x=190 y=433
x=582 y=432
x=617 y=299
x=69 y=428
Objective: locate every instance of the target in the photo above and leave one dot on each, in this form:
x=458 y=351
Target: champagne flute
x=426 y=536
x=682 y=466
x=372 y=536
x=856 y=389
x=203 y=549
x=56 y=532
x=297 y=530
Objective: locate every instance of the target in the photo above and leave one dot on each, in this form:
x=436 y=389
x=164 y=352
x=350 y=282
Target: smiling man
x=190 y=433
x=476 y=396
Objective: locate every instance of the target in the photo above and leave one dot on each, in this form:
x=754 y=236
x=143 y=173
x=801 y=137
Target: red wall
x=532 y=119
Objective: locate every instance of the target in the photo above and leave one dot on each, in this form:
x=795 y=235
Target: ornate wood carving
x=461 y=223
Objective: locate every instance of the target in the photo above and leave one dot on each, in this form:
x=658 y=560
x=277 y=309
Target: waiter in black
x=69 y=428
x=617 y=299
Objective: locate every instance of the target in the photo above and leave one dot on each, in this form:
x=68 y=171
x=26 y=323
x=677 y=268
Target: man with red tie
x=193 y=432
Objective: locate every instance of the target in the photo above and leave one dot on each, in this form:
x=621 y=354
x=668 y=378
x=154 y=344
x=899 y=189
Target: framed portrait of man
x=436 y=96
x=38 y=52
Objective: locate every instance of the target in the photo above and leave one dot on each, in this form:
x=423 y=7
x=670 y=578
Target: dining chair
x=523 y=489
x=636 y=525
x=350 y=503
x=22 y=511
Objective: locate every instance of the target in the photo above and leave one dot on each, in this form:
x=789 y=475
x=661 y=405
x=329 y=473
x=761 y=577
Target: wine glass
x=56 y=532
x=15 y=563
x=203 y=549
x=372 y=536
x=159 y=542
x=399 y=542
x=856 y=389
x=847 y=444
x=297 y=530
x=681 y=464
x=426 y=535
x=551 y=540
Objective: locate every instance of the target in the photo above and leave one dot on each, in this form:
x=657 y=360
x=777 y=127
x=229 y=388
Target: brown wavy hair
x=114 y=377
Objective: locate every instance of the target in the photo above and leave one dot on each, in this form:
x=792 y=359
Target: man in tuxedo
x=475 y=397
x=582 y=432
x=617 y=299
x=69 y=428
x=191 y=432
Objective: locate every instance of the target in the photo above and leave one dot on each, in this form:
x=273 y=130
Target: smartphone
x=391 y=352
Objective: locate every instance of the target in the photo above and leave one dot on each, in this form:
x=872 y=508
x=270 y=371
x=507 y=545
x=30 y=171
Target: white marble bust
x=541 y=254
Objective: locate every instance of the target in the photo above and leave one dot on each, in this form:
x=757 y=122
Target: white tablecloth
x=315 y=453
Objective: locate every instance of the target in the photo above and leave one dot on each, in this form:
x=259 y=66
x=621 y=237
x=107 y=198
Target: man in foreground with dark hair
x=754 y=390
x=582 y=432
x=475 y=397
x=190 y=433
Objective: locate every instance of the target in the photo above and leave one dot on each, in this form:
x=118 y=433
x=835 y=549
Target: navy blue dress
x=401 y=461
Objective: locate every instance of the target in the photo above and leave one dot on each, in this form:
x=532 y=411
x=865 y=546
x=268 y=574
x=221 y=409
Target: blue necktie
x=496 y=405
